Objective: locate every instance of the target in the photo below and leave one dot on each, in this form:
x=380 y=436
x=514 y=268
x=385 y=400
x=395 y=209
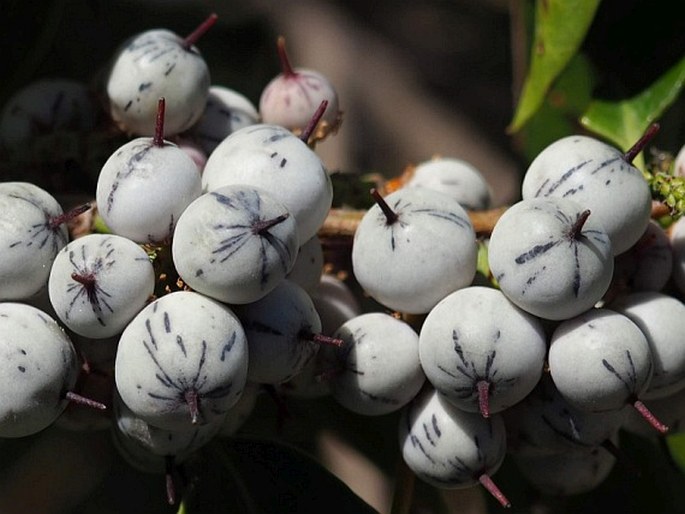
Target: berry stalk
x=314 y=121
x=158 y=138
x=487 y=482
x=55 y=222
x=390 y=215
x=200 y=31
x=286 y=67
x=639 y=145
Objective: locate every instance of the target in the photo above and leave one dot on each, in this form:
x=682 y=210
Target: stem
x=577 y=227
x=487 y=482
x=286 y=68
x=88 y=282
x=314 y=121
x=483 y=387
x=390 y=215
x=262 y=226
x=343 y=222
x=321 y=339
x=169 y=477
x=82 y=400
x=193 y=401
x=200 y=31
x=621 y=457
x=158 y=138
x=649 y=416
x=649 y=134
x=55 y=222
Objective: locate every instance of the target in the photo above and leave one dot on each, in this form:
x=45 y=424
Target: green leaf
x=625 y=121
x=676 y=445
x=260 y=476
x=557 y=117
x=560 y=28
x=99 y=225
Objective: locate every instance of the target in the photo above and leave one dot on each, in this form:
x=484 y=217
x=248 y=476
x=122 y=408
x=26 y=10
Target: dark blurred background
x=416 y=79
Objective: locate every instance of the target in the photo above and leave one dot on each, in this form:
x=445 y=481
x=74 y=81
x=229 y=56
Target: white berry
x=144 y=187
x=182 y=361
x=379 y=369
x=157 y=63
x=99 y=282
x=273 y=158
x=455 y=177
x=597 y=176
x=30 y=238
x=235 y=244
x=412 y=257
x=38 y=366
x=448 y=447
x=480 y=351
x=225 y=112
x=551 y=257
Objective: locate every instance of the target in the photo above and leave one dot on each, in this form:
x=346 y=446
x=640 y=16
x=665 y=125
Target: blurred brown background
x=416 y=79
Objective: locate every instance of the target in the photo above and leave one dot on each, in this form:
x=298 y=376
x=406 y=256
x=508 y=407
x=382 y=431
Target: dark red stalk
x=314 y=121
x=649 y=134
x=158 y=138
x=286 y=68
x=55 y=222
x=390 y=215
x=200 y=31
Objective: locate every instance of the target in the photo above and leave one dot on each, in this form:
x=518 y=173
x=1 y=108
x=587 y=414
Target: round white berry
x=379 y=370
x=280 y=329
x=647 y=265
x=99 y=282
x=141 y=437
x=597 y=176
x=566 y=473
x=410 y=259
x=455 y=177
x=226 y=111
x=678 y=246
x=38 y=366
x=662 y=320
x=30 y=238
x=291 y=99
x=235 y=244
x=551 y=257
x=45 y=106
x=308 y=266
x=481 y=351
x=155 y=64
x=544 y=423
x=335 y=304
x=143 y=188
x=182 y=361
x=273 y=158
x=448 y=447
x=600 y=360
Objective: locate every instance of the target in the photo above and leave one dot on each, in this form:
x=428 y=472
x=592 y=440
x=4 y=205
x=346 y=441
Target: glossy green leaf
x=560 y=28
x=676 y=445
x=625 y=121
x=557 y=116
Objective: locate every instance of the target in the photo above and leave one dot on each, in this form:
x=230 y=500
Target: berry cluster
x=208 y=284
